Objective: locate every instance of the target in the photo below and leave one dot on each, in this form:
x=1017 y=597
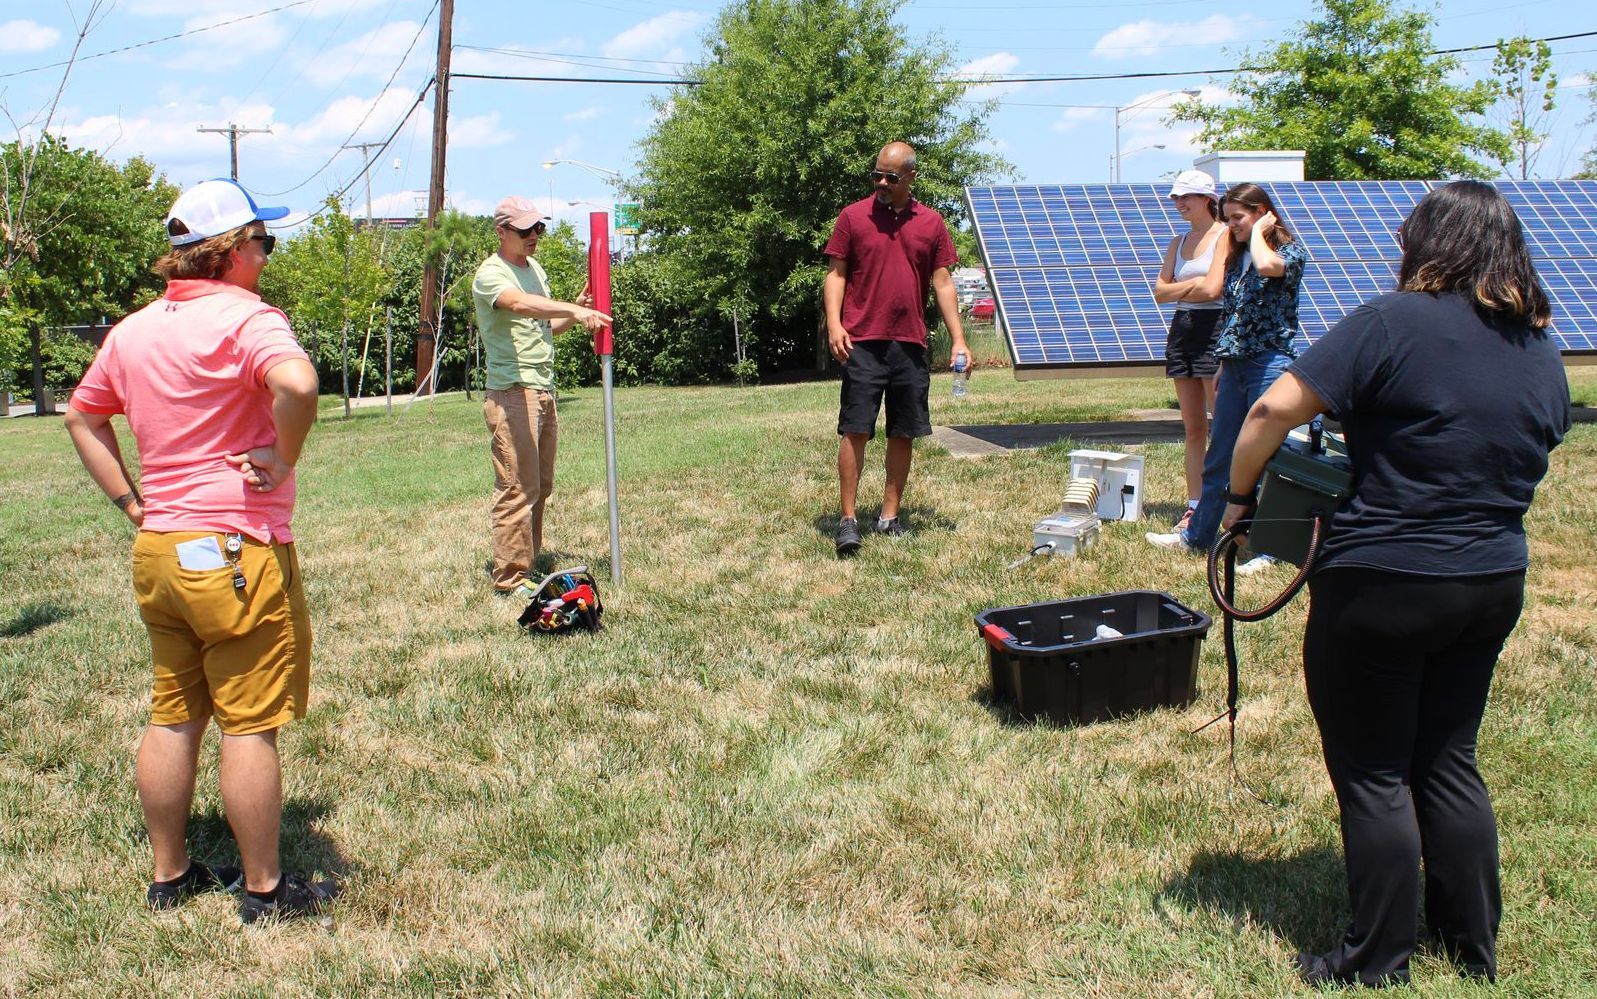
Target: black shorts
x=1189 y=353
x=898 y=369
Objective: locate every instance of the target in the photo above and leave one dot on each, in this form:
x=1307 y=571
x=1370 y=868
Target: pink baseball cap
x=518 y=213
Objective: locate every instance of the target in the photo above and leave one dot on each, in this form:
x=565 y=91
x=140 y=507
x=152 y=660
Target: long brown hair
x=1255 y=198
x=1465 y=237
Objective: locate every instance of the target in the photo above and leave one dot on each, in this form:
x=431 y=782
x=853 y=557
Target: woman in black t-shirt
x=1451 y=394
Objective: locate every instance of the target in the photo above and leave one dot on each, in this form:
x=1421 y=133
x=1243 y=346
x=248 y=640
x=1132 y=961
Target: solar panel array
x=1072 y=266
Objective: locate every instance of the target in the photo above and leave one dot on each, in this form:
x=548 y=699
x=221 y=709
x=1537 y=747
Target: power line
x=363 y=118
x=157 y=41
x=990 y=79
x=338 y=196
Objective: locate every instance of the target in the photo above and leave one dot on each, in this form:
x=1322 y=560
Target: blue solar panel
x=1347 y=220
x=1572 y=286
x=1559 y=216
x=1072 y=265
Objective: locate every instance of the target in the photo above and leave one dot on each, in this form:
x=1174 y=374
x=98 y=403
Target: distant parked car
x=983 y=308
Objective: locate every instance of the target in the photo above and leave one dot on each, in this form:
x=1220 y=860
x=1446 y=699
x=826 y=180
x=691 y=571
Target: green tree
x=330 y=280
x=1528 y=91
x=78 y=251
x=742 y=177
x=1359 y=90
x=1588 y=163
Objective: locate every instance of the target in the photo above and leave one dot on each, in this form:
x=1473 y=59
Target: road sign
x=626 y=214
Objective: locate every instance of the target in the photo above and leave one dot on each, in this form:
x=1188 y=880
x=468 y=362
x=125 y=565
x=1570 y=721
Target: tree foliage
x=80 y=249
x=333 y=272
x=743 y=176
x=1588 y=163
x=1528 y=92
x=1361 y=92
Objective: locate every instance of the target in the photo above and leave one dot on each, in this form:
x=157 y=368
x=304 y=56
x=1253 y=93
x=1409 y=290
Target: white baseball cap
x=213 y=207
x=1194 y=182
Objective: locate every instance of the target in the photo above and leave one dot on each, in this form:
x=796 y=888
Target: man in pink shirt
x=219 y=397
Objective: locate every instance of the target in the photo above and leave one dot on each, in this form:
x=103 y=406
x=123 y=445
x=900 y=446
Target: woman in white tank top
x=1189 y=351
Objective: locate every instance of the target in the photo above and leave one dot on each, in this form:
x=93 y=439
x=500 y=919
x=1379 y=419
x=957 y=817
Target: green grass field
x=773 y=774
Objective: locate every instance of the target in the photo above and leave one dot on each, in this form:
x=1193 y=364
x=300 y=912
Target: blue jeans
x=1242 y=381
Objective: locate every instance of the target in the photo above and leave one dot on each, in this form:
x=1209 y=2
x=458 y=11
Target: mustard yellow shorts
x=243 y=655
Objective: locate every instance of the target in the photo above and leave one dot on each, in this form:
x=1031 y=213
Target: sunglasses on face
x=536 y=229
x=887 y=175
x=267 y=240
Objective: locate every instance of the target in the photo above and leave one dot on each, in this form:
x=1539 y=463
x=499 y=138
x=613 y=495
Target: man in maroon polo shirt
x=885 y=252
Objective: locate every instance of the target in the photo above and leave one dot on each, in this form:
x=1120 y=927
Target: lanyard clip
x=234 y=544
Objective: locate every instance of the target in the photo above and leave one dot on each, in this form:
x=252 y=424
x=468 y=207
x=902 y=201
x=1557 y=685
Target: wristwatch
x=1241 y=499
x=126 y=500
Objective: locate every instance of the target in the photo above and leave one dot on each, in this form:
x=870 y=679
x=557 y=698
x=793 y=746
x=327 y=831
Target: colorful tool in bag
x=566 y=600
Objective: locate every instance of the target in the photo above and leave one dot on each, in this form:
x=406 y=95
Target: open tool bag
x=566 y=600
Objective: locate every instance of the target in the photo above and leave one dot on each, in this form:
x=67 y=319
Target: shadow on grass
x=1301 y=898
x=305 y=848
x=33 y=617
x=917 y=518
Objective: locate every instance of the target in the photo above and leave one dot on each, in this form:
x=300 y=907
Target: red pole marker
x=599 y=276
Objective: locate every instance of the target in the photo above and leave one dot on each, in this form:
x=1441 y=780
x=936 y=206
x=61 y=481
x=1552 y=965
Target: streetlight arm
x=591 y=168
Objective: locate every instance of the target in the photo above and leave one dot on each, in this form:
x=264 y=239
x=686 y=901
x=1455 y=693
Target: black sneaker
x=194 y=881
x=294 y=898
x=892 y=527
x=847 y=537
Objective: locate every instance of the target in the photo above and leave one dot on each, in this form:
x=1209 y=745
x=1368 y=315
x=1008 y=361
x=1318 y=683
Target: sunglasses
x=267 y=240
x=536 y=229
x=887 y=175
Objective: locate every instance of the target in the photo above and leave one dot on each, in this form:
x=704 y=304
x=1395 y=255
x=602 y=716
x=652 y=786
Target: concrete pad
x=1152 y=426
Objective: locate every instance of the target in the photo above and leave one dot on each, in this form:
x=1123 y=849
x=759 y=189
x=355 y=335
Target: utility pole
x=364 y=147
x=427 y=327
x=232 y=132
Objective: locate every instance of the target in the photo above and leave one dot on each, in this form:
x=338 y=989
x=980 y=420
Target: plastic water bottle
x=961 y=363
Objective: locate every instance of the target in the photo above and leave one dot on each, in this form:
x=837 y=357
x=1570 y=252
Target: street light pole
x=1141 y=104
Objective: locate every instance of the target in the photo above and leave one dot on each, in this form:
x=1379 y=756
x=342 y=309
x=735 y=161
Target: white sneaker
x=1173 y=541
x=1254 y=564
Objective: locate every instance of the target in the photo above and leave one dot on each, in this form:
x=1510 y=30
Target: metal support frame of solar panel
x=1072 y=266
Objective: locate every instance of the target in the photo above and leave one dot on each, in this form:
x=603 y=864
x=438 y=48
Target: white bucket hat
x=1194 y=182
x=213 y=207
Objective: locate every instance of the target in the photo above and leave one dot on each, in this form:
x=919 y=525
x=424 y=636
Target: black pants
x=1398 y=669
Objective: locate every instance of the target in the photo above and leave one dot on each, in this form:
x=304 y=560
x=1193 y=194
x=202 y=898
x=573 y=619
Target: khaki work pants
x=523 y=429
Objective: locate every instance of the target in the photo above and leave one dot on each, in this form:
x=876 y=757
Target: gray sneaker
x=847 y=537
x=892 y=527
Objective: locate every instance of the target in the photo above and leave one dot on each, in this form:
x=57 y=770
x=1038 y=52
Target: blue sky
x=323 y=73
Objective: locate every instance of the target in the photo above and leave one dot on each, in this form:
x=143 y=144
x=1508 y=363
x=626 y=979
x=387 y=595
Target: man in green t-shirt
x=518 y=321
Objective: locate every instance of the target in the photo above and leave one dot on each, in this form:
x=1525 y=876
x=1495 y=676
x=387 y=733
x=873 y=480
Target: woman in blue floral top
x=1259 y=318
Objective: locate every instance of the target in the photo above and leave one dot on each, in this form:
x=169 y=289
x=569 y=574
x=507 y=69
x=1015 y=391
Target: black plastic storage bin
x=1048 y=661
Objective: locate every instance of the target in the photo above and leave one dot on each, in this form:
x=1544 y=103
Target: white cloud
x=373 y=54
x=27 y=36
x=997 y=64
x=167 y=135
x=1070 y=118
x=479 y=132
x=585 y=114
x=1141 y=39
x=335 y=123
x=398 y=205
x=236 y=44
x=656 y=37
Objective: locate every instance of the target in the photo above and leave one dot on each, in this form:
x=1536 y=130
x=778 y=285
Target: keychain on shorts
x=235 y=549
